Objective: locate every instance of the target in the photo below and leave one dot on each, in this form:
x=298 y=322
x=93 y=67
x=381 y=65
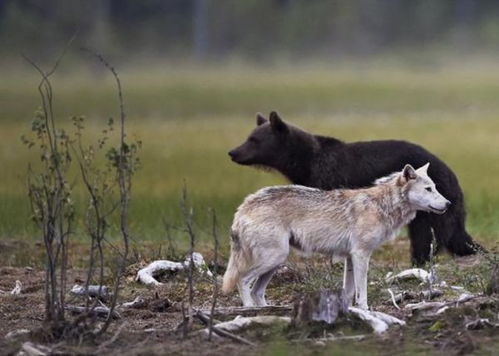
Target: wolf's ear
x=277 y=124
x=424 y=169
x=409 y=172
x=260 y=120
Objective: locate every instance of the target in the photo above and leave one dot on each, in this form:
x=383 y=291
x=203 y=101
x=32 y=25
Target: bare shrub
x=108 y=186
x=50 y=199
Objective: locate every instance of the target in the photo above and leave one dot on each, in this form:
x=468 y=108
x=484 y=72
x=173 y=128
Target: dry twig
x=215 y=283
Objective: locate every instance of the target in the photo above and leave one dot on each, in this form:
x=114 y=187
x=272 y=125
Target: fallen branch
x=138 y=302
x=480 y=324
x=250 y=311
x=425 y=305
x=387 y=318
x=241 y=322
x=31 y=349
x=394 y=299
x=14 y=334
x=221 y=329
x=146 y=275
x=378 y=321
x=91 y=291
x=407 y=295
x=154 y=330
x=417 y=273
x=16 y=290
x=442 y=306
x=331 y=338
x=101 y=311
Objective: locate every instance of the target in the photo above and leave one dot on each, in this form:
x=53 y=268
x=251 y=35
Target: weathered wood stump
x=317 y=312
x=319 y=306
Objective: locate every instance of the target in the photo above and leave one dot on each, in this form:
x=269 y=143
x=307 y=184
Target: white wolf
x=346 y=223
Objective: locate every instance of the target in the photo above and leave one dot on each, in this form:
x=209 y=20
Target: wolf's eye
x=428 y=189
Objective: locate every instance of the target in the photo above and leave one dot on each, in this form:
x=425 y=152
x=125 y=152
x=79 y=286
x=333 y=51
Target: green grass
x=189 y=119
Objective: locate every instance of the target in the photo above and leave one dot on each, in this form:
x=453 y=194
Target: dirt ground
x=151 y=329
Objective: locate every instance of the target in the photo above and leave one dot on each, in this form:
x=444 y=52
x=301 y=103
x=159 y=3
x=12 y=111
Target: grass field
x=189 y=118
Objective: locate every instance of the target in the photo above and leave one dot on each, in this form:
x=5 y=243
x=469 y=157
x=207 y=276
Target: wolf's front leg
x=348 y=280
x=360 y=268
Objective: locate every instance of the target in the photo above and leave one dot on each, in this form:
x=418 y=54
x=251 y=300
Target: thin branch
x=205 y=319
x=215 y=267
x=124 y=171
x=187 y=212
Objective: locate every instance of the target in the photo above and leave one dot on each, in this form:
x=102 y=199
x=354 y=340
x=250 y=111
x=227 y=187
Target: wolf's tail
x=238 y=263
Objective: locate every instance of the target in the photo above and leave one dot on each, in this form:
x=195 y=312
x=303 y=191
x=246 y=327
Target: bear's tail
x=238 y=263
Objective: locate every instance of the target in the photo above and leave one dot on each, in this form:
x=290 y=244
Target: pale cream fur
x=346 y=223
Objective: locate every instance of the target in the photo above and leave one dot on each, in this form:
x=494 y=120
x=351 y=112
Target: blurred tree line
x=252 y=29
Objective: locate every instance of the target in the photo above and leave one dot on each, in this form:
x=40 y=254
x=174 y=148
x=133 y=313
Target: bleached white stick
x=418 y=273
x=135 y=303
x=243 y=322
x=16 y=333
x=424 y=305
x=146 y=274
x=91 y=291
x=465 y=297
x=379 y=326
x=390 y=320
x=442 y=306
x=393 y=298
x=32 y=349
x=17 y=289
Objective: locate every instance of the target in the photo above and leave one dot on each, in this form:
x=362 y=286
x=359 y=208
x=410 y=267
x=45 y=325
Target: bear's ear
x=260 y=120
x=409 y=173
x=277 y=124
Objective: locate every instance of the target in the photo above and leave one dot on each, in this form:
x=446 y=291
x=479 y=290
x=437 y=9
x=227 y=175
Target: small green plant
x=122 y=164
x=106 y=172
x=50 y=197
x=318 y=273
x=489 y=272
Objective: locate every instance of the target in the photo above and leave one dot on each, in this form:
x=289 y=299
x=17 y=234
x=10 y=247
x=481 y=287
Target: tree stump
x=323 y=311
x=319 y=306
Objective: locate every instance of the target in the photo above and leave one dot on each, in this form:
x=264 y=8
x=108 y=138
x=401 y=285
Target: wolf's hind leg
x=244 y=288
x=258 y=290
x=349 y=280
x=269 y=260
x=249 y=282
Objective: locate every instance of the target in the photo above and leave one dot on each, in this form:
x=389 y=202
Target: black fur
x=328 y=163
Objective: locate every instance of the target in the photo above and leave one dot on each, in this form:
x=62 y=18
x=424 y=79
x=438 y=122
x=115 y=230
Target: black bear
x=328 y=163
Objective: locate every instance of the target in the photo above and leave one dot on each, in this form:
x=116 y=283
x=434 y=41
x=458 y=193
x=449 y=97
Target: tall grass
x=188 y=120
